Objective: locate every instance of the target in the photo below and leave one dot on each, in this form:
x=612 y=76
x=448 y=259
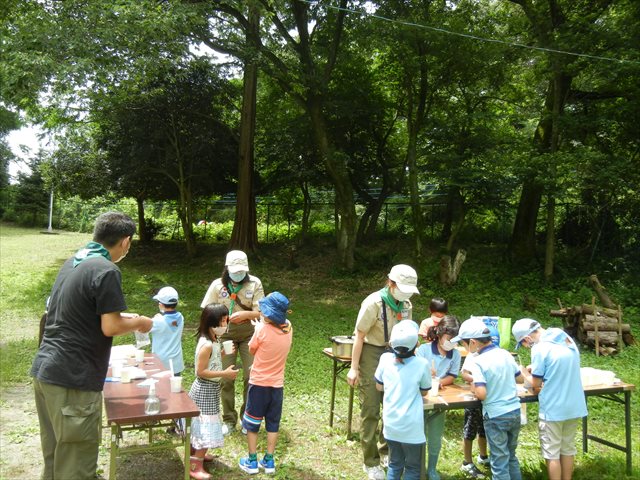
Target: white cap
x=472 y=328
x=405 y=277
x=237 y=261
x=523 y=328
x=167 y=296
x=404 y=334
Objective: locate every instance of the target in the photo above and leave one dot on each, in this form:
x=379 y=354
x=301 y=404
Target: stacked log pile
x=600 y=327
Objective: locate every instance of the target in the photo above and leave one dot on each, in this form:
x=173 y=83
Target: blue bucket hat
x=274 y=306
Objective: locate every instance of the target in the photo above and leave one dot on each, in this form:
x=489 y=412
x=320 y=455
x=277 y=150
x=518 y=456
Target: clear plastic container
x=152 y=403
x=142 y=339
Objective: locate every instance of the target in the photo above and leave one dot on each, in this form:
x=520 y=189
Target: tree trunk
x=306 y=212
x=551 y=237
x=245 y=229
x=523 y=238
x=455 y=217
x=143 y=232
x=337 y=167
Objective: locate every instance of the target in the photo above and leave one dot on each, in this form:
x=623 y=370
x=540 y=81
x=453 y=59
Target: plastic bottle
x=152 y=403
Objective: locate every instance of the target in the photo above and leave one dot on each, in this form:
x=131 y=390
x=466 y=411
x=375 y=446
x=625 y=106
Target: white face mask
x=237 y=277
x=219 y=331
x=447 y=345
x=398 y=295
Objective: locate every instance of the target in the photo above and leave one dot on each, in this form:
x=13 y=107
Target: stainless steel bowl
x=342 y=345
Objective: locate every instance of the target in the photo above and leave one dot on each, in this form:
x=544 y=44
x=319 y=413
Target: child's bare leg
x=200 y=453
x=252 y=441
x=482 y=446
x=272 y=439
x=467 y=448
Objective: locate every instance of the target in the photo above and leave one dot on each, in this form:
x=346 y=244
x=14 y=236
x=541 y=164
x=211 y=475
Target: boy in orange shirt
x=270 y=346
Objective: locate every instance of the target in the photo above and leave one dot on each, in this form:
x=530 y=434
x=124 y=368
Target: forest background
x=359 y=133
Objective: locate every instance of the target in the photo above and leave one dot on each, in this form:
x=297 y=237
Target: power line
x=474 y=37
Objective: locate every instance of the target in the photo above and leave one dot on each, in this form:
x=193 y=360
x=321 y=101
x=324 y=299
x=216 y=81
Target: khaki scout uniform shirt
x=249 y=295
x=371 y=322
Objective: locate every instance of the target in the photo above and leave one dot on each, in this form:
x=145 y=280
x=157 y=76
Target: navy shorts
x=473 y=423
x=263 y=403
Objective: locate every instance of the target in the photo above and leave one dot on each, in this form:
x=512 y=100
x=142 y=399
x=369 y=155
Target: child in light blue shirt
x=443 y=360
x=404 y=378
x=555 y=360
x=494 y=383
x=166 y=333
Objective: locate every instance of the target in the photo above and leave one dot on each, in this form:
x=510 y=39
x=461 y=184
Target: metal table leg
x=627 y=428
x=113 y=454
x=350 y=413
x=187 y=447
x=333 y=391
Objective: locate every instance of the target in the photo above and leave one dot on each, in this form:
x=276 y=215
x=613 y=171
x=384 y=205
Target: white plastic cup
x=116 y=369
x=228 y=347
x=435 y=387
x=176 y=384
x=139 y=355
x=125 y=375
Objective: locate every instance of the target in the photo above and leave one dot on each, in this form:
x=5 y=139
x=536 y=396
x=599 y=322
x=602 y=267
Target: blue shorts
x=263 y=403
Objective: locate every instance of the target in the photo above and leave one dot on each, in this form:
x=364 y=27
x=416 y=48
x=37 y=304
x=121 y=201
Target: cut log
x=604 y=338
x=600 y=291
x=586 y=309
x=600 y=319
x=605 y=327
x=559 y=313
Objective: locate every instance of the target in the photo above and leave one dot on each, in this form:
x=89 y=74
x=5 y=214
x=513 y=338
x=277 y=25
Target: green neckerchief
x=233 y=292
x=92 y=249
x=392 y=302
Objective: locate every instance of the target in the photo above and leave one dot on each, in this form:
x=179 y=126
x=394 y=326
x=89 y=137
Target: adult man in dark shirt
x=71 y=364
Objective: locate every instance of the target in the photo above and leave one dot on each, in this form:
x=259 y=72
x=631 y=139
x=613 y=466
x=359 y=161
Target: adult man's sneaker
x=227 y=428
x=483 y=461
x=269 y=465
x=471 y=470
x=248 y=465
x=374 y=473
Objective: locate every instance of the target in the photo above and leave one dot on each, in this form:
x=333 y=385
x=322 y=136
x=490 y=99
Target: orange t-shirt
x=270 y=346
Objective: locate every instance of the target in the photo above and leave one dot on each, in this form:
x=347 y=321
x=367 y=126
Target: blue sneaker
x=248 y=466
x=269 y=466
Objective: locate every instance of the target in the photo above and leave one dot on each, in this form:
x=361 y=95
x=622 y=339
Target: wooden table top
x=124 y=402
x=460 y=396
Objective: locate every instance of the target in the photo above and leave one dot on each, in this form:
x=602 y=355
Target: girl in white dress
x=206 y=430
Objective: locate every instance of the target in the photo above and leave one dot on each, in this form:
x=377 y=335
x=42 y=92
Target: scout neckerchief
x=92 y=249
x=394 y=305
x=233 y=295
x=387 y=299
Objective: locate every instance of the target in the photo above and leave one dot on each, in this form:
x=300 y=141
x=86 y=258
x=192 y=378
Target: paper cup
x=228 y=347
x=435 y=387
x=116 y=369
x=125 y=375
x=176 y=384
x=139 y=355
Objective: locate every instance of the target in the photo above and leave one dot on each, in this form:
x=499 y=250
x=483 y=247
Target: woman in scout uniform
x=239 y=292
x=379 y=312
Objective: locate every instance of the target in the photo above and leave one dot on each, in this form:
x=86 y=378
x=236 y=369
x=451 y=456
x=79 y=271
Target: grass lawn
x=325 y=302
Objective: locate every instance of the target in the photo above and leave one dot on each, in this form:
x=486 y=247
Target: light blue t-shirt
x=448 y=364
x=402 y=407
x=496 y=370
x=556 y=360
x=166 y=339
